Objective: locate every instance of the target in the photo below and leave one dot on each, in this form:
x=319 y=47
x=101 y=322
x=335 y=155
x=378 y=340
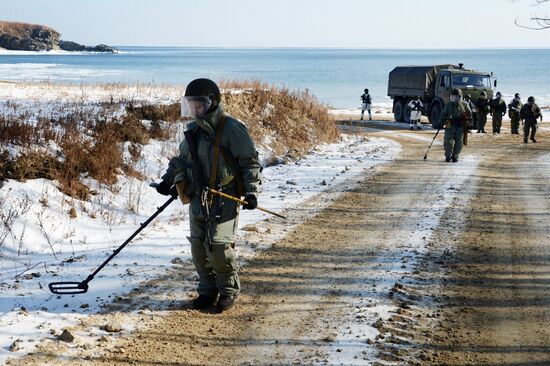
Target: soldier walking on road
x=513 y=112
x=454 y=118
x=217 y=153
x=498 y=110
x=530 y=113
x=471 y=104
x=483 y=108
x=366 y=102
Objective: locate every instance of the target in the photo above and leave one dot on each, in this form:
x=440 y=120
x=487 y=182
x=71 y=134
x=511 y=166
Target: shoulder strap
x=216 y=156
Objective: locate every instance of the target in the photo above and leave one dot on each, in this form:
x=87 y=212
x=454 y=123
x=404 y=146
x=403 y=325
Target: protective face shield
x=455 y=98
x=195 y=107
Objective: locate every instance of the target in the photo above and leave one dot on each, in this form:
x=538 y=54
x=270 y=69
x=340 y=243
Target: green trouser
x=532 y=126
x=497 y=122
x=515 y=124
x=216 y=264
x=453 y=141
x=481 y=121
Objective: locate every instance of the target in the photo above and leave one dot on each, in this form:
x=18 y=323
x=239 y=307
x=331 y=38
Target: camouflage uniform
x=513 y=112
x=498 y=110
x=216 y=263
x=453 y=118
x=483 y=107
x=471 y=104
x=530 y=114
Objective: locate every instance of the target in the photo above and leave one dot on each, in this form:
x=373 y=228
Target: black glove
x=166 y=190
x=251 y=202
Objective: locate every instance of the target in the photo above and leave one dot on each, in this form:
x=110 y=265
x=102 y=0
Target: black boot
x=533 y=139
x=455 y=159
x=448 y=160
x=525 y=140
x=203 y=302
x=226 y=302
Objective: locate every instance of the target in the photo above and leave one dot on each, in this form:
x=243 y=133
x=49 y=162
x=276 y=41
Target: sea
x=335 y=76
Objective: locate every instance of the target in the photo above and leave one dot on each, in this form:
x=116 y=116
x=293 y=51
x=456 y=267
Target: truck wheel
x=435 y=112
x=399 y=111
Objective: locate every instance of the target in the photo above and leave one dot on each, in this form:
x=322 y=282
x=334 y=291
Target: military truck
x=433 y=84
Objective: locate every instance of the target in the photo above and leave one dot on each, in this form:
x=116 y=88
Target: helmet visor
x=195 y=107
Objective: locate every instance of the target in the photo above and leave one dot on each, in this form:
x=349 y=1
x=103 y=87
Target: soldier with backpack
x=217 y=153
x=530 y=113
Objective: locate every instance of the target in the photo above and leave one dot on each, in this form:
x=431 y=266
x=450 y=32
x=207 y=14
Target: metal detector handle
x=433 y=140
x=119 y=249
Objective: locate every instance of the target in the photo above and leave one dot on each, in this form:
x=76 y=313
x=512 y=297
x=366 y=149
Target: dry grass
x=87 y=146
x=295 y=119
x=20 y=30
x=91 y=145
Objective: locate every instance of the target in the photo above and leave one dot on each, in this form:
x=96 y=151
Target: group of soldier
x=497 y=108
x=463 y=114
x=458 y=113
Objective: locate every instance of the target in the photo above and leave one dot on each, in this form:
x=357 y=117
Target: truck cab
x=470 y=82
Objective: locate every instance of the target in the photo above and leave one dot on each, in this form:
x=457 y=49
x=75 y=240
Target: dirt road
x=420 y=263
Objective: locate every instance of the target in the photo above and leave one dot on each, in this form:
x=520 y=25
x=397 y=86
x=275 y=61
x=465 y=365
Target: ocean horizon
x=337 y=76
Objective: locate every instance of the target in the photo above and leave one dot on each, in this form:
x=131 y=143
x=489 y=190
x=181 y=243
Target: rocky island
x=15 y=36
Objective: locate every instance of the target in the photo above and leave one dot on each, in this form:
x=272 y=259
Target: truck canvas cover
x=414 y=80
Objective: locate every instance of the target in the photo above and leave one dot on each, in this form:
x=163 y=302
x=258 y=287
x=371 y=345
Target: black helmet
x=483 y=94
x=204 y=88
x=516 y=95
x=531 y=100
x=468 y=96
x=366 y=91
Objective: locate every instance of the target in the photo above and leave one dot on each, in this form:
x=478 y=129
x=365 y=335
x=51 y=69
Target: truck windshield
x=478 y=81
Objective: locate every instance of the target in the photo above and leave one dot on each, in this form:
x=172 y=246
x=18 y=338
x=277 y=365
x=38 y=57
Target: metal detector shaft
x=243 y=202
x=66 y=288
x=437 y=133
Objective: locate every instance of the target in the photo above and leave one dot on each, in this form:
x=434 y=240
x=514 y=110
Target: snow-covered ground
x=370 y=308
x=44 y=244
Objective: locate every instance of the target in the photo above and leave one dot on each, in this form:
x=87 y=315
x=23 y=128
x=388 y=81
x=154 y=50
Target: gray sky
x=287 y=23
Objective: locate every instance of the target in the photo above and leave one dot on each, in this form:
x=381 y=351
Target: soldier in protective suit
x=514 y=107
x=498 y=110
x=366 y=102
x=454 y=118
x=416 y=107
x=217 y=153
x=530 y=113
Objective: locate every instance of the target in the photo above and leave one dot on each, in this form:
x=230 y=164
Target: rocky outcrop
x=33 y=37
x=73 y=46
x=28 y=37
